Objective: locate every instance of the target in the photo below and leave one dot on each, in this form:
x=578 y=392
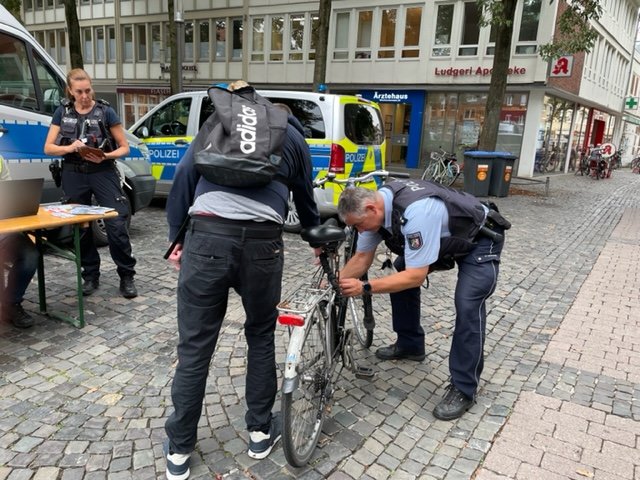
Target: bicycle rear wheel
x=453 y=170
x=303 y=409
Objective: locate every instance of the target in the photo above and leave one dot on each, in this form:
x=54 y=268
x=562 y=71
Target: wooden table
x=37 y=225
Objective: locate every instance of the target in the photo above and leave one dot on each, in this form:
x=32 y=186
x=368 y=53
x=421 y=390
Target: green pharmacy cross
x=631 y=103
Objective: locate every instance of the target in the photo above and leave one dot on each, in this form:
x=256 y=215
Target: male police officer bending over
x=430 y=227
x=234 y=240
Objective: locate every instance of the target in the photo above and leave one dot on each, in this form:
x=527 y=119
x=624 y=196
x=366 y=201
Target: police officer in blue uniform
x=430 y=227
x=80 y=122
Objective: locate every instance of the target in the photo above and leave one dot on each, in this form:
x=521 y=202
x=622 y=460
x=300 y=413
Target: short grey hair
x=352 y=201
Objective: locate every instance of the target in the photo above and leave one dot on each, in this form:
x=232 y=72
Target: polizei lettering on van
x=247 y=129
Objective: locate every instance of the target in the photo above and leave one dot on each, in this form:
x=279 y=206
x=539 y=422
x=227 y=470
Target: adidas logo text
x=247 y=129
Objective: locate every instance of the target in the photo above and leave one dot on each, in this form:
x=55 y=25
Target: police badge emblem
x=414 y=240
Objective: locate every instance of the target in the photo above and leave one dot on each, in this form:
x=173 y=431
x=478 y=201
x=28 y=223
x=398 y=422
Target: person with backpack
x=89 y=135
x=430 y=227
x=225 y=211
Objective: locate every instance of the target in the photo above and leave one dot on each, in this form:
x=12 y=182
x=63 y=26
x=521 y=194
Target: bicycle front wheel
x=303 y=409
x=430 y=172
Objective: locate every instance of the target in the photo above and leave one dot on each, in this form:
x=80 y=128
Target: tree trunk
x=498 y=87
x=175 y=69
x=73 y=28
x=322 y=40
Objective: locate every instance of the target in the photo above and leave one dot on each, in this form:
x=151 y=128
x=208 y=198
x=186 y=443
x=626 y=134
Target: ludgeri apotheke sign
x=474 y=71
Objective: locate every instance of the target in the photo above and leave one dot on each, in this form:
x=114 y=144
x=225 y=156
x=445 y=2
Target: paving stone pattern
x=557 y=399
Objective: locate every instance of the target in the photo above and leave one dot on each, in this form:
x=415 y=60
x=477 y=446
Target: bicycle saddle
x=323 y=234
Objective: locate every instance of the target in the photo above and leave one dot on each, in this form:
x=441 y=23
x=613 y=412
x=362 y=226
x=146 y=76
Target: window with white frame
x=167 y=48
x=363 y=36
x=188 y=42
x=236 y=45
x=296 y=37
x=141 y=42
x=529 y=27
x=127 y=38
x=277 y=38
x=87 y=46
x=203 y=41
x=315 y=23
x=100 y=47
x=470 y=30
x=221 y=39
x=51 y=44
x=62 y=46
x=341 y=40
x=111 y=45
x=442 y=35
x=412 y=26
x=156 y=42
x=257 y=39
x=388 y=33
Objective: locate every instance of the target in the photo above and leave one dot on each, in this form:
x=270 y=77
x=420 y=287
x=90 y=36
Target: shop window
x=203 y=41
x=221 y=39
x=363 y=40
x=277 y=37
x=412 y=24
x=341 y=41
x=257 y=39
x=387 y=33
x=529 y=27
x=156 y=43
x=296 y=37
x=442 y=38
x=141 y=40
x=236 y=44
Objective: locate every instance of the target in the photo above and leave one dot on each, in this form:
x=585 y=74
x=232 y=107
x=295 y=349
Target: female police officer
x=81 y=121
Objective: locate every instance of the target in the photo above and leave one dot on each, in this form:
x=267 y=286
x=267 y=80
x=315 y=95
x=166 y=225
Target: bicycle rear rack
x=302 y=300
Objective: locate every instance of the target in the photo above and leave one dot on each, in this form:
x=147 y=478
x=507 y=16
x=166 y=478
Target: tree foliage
x=13 y=6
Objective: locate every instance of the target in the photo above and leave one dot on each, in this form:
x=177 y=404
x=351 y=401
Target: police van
x=345 y=134
x=31 y=88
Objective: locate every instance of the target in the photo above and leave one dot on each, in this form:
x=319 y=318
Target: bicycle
x=635 y=165
x=320 y=337
x=443 y=168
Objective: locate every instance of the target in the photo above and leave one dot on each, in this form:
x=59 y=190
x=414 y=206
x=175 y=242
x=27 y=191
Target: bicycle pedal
x=364 y=373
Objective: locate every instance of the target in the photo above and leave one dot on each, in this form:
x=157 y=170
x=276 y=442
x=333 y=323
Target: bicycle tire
x=453 y=170
x=303 y=409
x=430 y=172
x=362 y=307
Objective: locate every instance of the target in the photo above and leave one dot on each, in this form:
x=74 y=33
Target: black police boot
x=453 y=405
x=128 y=288
x=16 y=314
x=89 y=286
x=392 y=352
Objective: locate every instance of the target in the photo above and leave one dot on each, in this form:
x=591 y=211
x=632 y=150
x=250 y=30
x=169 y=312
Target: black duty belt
x=232 y=228
x=87 y=167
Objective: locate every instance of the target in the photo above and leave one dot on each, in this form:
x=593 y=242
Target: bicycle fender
x=293 y=355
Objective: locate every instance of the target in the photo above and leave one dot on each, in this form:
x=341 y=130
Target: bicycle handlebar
x=331 y=177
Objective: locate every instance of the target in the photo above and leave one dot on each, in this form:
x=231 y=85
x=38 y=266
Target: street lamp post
x=178 y=18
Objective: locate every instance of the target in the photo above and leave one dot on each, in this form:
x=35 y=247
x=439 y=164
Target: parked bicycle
x=635 y=165
x=443 y=168
x=583 y=165
x=321 y=338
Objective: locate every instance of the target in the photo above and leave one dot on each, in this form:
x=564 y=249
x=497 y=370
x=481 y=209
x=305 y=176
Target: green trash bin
x=501 y=173
x=477 y=172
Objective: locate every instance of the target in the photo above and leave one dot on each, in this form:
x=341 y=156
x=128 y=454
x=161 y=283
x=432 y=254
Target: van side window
x=50 y=83
x=362 y=124
x=309 y=115
x=170 y=120
x=206 y=110
x=17 y=88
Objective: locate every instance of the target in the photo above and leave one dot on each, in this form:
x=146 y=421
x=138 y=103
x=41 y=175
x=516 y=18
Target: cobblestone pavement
x=557 y=399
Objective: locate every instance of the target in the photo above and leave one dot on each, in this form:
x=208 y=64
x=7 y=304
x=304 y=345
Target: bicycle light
x=291 y=320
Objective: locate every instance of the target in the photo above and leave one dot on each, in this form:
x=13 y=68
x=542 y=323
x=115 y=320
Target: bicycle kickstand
x=363 y=373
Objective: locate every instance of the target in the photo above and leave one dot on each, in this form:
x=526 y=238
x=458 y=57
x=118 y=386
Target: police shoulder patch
x=414 y=240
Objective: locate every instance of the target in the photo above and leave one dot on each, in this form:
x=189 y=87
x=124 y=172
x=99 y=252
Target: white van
x=31 y=87
x=344 y=132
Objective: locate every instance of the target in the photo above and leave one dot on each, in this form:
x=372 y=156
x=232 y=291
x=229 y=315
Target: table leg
x=42 y=293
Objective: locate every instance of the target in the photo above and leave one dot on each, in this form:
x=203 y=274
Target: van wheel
x=292 y=222
x=100 y=231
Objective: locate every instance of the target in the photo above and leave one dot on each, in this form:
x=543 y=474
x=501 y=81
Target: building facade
x=428 y=64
